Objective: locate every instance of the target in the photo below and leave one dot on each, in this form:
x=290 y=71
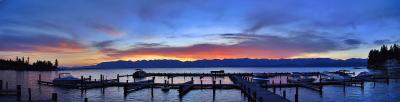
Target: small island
x=24 y=64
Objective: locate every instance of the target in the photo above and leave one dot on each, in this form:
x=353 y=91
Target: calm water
x=382 y=92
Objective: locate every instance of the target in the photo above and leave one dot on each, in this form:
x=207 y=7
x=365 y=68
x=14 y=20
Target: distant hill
x=245 y=62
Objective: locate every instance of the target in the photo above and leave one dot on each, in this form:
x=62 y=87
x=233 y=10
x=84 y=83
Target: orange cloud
x=202 y=51
x=64 y=47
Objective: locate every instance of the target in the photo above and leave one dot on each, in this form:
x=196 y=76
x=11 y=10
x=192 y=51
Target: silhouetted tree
x=22 y=64
x=56 y=64
x=377 y=58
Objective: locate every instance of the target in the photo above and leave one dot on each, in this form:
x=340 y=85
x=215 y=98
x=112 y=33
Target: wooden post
x=387 y=80
x=152 y=87
x=374 y=81
x=280 y=84
x=125 y=89
x=29 y=94
x=127 y=82
x=296 y=95
x=118 y=77
x=213 y=89
x=1 y=84
x=90 y=78
x=82 y=81
x=362 y=84
x=273 y=86
x=287 y=78
x=40 y=77
x=54 y=97
x=86 y=99
x=192 y=79
x=344 y=86
x=284 y=94
x=18 y=92
x=201 y=84
x=172 y=80
x=220 y=82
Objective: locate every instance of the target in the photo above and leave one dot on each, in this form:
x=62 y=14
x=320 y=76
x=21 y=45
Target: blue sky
x=83 y=32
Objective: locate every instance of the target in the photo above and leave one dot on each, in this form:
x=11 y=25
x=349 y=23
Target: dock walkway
x=256 y=92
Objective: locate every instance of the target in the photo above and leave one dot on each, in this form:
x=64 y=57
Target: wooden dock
x=185 y=88
x=243 y=81
x=255 y=92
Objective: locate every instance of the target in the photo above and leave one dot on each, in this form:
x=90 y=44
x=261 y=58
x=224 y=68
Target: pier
x=255 y=91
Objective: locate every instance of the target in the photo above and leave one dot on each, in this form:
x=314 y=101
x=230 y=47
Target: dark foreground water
x=380 y=93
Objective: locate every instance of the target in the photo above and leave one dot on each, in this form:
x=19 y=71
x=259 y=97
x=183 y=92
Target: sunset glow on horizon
x=80 y=32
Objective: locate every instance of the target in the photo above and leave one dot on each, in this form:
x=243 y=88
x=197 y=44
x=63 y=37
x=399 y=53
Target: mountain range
x=243 y=62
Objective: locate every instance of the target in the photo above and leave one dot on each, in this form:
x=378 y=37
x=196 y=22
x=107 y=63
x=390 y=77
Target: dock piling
x=201 y=84
x=273 y=86
x=374 y=81
x=54 y=97
x=213 y=89
x=29 y=94
x=284 y=94
x=1 y=84
x=18 y=92
x=296 y=95
x=40 y=77
x=344 y=86
x=82 y=82
x=152 y=87
x=118 y=77
x=90 y=78
x=172 y=80
x=86 y=99
x=387 y=80
x=280 y=84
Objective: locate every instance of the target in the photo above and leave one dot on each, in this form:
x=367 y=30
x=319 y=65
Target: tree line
x=378 y=57
x=24 y=64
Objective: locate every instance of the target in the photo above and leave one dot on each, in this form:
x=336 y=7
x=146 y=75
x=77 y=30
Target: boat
x=359 y=68
x=302 y=80
x=336 y=75
x=139 y=74
x=365 y=74
x=66 y=78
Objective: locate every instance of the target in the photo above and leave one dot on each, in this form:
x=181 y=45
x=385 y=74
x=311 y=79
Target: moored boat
x=139 y=74
x=66 y=78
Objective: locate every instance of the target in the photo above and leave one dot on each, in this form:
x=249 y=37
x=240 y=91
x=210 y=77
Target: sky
x=86 y=32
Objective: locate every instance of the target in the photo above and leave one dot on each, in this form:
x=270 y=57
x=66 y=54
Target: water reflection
x=381 y=92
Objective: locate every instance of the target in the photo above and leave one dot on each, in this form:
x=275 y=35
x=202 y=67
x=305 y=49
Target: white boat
x=300 y=79
x=66 y=78
x=336 y=76
x=365 y=74
x=139 y=74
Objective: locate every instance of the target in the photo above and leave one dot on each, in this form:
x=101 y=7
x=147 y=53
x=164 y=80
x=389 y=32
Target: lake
x=334 y=93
